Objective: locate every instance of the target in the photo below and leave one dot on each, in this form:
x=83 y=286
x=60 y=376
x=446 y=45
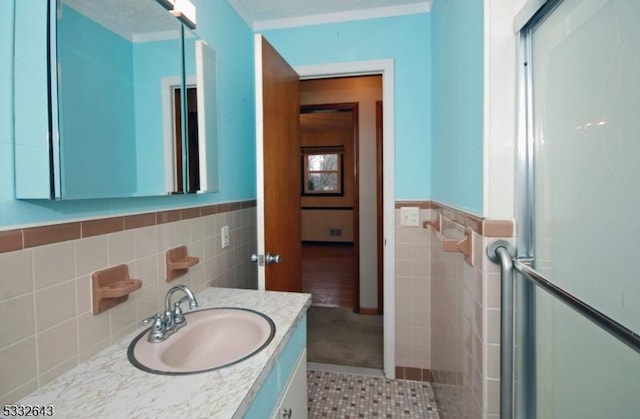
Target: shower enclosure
x=578 y=212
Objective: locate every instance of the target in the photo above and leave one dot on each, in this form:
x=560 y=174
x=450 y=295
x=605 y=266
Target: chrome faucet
x=163 y=325
x=175 y=314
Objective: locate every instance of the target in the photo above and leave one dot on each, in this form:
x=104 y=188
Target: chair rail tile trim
x=24 y=238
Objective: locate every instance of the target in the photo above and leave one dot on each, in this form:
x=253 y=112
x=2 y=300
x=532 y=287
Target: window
x=322 y=170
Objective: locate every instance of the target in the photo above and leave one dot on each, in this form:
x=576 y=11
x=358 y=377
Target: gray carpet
x=340 y=336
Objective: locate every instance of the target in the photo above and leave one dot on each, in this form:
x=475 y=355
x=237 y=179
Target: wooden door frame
x=386 y=68
x=353 y=107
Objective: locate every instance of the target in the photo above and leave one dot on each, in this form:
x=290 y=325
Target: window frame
x=339 y=170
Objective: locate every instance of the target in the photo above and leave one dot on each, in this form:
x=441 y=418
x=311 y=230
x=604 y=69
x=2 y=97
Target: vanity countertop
x=108 y=386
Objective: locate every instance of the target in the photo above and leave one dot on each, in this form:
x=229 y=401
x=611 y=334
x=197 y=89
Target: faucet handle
x=151 y=319
x=157 y=330
x=178 y=315
x=169 y=322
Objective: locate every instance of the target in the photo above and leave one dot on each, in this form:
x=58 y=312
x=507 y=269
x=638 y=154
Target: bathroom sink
x=212 y=338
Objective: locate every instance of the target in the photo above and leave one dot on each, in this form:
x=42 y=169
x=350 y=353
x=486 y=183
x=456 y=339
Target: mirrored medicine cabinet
x=112 y=100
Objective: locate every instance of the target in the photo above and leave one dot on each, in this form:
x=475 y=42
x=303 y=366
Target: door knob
x=257 y=258
x=268 y=259
x=272 y=258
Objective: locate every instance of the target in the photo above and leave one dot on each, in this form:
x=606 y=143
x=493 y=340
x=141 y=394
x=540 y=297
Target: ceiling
x=274 y=14
x=137 y=20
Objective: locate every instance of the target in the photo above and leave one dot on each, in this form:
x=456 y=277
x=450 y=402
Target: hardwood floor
x=327 y=273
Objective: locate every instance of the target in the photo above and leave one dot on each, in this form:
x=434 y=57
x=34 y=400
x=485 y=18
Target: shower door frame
x=525 y=395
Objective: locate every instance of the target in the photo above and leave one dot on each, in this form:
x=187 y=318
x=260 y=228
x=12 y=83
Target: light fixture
x=167 y=4
x=186 y=12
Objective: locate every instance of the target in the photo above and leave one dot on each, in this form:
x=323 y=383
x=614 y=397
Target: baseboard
x=414 y=374
x=343 y=369
x=369 y=310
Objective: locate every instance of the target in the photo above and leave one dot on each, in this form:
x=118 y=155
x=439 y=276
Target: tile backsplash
x=465 y=316
x=45 y=297
x=446 y=312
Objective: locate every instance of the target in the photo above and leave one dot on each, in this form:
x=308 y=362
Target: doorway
x=329 y=220
x=274 y=85
x=344 y=226
x=341 y=214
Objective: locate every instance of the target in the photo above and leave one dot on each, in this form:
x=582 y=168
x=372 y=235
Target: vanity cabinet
x=283 y=395
x=293 y=403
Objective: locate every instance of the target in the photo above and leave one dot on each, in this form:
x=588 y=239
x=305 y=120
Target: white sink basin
x=213 y=338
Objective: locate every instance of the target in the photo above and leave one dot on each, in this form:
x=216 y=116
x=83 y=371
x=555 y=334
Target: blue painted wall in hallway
x=223 y=29
x=457 y=148
x=6 y=102
x=406 y=39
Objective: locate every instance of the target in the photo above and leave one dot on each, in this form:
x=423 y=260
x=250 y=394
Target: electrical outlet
x=224 y=236
x=410 y=216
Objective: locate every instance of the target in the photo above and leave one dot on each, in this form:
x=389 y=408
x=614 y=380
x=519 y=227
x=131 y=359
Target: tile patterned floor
x=337 y=395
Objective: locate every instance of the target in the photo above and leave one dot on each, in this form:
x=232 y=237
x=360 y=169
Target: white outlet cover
x=410 y=216
x=224 y=236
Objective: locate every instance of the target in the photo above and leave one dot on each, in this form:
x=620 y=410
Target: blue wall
x=6 y=102
x=457 y=148
x=406 y=39
x=152 y=61
x=97 y=118
x=226 y=32
x=223 y=29
x=448 y=42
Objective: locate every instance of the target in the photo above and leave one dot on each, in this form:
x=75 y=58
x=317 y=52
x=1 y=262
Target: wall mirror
x=120 y=119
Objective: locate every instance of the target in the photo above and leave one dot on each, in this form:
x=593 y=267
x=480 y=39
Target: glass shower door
x=584 y=76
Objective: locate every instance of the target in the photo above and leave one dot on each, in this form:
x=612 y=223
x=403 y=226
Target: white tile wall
x=413 y=294
x=45 y=297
